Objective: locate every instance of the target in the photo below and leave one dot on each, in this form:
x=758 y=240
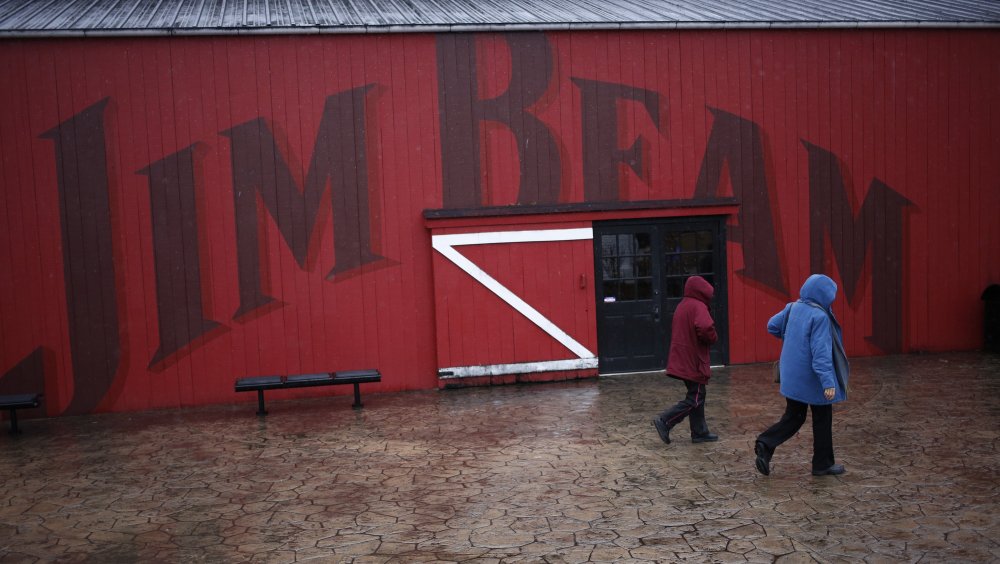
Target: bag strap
x=813 y=304
x=819 y=307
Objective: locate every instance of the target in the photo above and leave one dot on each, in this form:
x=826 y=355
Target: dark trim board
x=581 y=207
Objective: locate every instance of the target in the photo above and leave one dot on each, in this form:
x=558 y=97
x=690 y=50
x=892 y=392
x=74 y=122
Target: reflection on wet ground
x=560 y=472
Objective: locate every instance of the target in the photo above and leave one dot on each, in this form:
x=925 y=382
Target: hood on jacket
x=698 y=288
x=820 y=289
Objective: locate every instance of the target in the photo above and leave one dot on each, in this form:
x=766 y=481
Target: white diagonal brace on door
x=445 y=244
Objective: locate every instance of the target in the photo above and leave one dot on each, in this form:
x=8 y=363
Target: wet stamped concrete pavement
x=560 y=472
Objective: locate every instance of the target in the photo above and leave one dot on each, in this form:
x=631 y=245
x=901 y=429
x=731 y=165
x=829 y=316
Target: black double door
x=641 y=270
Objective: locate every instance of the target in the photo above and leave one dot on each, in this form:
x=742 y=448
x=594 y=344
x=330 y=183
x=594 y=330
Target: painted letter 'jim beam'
x=445 y=244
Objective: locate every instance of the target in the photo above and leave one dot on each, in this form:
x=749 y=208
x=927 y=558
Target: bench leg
x=13 y=422
x=260 y=403
x=357 y=397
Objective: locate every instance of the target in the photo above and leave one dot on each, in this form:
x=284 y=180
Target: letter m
x=261 y=175
x=878 y=225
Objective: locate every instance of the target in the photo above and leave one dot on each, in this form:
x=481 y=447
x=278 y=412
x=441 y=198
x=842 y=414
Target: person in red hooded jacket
x=693 y=331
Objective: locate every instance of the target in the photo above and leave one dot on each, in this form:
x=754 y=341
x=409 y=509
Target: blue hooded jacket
x=807 y=351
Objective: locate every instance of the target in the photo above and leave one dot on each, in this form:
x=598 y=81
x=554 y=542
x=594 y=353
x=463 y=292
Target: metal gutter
x=468 y=28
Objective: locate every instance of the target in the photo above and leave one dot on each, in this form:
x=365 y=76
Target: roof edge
x=467 y=28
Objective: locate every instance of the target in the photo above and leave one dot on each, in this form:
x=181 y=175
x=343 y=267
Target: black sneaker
x=706 y=438
x=662 y=429
x=763 y=461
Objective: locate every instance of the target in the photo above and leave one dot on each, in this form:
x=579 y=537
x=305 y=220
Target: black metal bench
x=14 y=402
x=261 y=383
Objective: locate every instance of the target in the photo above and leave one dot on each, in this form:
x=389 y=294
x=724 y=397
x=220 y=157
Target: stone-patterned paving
x=563 y=472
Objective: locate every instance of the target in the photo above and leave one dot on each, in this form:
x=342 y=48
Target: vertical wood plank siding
x=179 y=212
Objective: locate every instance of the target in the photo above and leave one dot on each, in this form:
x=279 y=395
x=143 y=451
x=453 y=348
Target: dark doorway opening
x=641 y=267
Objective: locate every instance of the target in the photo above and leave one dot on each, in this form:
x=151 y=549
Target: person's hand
x=829 y=393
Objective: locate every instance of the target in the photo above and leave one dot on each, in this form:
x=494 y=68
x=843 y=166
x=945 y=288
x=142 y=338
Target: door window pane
x=643 y=266
x=704 y=240
x=626 y=264
x=626 y=244
x=675 y=287
x=672 y=264
x=688 y=253
x=643 y=243
x=644 y=289
x=610 y=266
x=705 y=263
x=626 y=269
x=627 y=291
x=671 y=243
x=608 y=246
x=611 y=290
x=690 y=264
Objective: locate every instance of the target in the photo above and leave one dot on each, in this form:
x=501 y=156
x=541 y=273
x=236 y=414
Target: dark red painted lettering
x=462 y=113
x=880 y=221
x=601 y=155
x=739 y=143
x=88 y=265
x=175 y=253
x=339 y=159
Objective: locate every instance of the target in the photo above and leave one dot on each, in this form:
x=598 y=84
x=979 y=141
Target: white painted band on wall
x=493 y=237
x=445 y=244
x=519 y=368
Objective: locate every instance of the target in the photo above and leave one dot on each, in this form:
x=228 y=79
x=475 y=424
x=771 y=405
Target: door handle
x=656 y=313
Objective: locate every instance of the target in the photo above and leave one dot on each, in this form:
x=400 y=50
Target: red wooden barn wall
x=179 y=212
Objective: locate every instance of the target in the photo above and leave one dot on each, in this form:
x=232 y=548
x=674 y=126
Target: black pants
x=692 y=407
x=791 y=422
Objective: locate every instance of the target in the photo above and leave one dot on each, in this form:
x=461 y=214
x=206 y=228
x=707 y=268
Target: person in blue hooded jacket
x=813 y=374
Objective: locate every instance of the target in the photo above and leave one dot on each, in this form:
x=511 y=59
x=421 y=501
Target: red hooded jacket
x=693 y=331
